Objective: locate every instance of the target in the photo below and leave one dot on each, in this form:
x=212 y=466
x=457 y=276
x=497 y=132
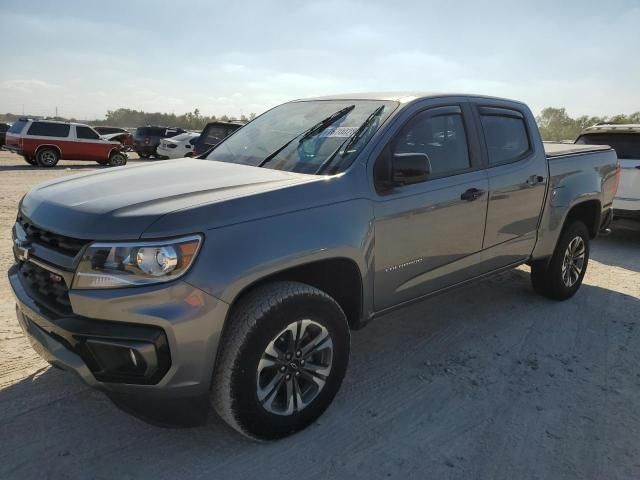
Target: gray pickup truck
x=234 y=280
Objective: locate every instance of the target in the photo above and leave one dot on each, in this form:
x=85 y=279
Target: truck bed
x=556 y=149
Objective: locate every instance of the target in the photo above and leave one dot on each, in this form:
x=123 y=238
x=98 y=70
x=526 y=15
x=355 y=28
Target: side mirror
x=408 y=168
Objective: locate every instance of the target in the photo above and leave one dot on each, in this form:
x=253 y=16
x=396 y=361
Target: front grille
x=66 y=245
x=46 y=288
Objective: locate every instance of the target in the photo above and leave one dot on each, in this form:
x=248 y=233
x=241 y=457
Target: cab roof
x=400 y=97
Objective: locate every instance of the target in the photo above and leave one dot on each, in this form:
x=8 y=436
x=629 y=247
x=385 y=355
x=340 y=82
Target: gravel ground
x=489 y=381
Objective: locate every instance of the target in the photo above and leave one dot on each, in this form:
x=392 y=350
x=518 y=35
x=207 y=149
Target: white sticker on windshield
x=342 y=132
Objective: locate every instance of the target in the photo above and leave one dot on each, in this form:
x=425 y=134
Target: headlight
x=127 y=264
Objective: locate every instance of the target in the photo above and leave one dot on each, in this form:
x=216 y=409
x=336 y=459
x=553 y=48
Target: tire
x=117 y=159
x=551 y=279
x=269 y=318
x=102 y=162
x=30 y=160
x=47 y=157
x=144 y=155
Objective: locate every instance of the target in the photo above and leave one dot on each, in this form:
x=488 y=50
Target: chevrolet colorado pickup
x=233 y=280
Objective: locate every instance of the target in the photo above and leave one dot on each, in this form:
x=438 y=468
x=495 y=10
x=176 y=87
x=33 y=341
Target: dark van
x=146 y=139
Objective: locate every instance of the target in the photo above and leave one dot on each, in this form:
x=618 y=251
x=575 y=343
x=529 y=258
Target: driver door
x=429 y=235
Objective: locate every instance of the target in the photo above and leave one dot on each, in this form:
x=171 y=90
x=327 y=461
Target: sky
x=240 y=57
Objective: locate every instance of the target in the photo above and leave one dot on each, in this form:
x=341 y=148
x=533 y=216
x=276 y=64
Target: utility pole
x=56 y=111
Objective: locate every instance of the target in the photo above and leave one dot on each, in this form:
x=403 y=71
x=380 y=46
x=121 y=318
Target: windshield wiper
x=352 y=140
x=318 y=127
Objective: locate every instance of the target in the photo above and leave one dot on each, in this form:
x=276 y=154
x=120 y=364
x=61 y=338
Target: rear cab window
x=214 y=134
x=626 y=145
x=148 y=132
x=49 y=129
x=505 y=134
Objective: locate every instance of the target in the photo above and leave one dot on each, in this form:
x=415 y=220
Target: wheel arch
x=589 y=212
x=48 y=145
x=113 y=151
x=339 y=277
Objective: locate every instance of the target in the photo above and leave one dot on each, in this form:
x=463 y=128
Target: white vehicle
x=625 y=140
x=179 y=146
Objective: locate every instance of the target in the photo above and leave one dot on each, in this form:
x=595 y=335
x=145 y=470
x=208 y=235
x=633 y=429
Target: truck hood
x=120 y=203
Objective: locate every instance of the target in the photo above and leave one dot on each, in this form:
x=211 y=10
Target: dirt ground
x=490 y=381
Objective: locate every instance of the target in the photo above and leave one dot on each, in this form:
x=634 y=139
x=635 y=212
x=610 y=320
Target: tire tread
x=243 y=319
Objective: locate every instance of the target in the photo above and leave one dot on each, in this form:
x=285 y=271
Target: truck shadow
x=620 y=249
x=454 y=382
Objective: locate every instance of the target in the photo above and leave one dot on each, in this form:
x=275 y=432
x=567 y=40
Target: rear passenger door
x=428 y=235
x=517 y=171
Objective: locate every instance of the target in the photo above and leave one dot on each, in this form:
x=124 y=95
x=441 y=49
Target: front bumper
x=182 y=323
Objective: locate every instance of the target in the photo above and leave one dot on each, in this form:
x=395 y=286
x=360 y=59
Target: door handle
x=471 y=194
x=534 y=180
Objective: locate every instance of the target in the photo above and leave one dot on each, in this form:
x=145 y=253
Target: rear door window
x=86 y=133
x=506 y=137
x=48 y=129
x=626 y=145
x=17 y=126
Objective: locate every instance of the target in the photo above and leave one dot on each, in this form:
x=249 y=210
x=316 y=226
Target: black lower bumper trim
x=94 y=340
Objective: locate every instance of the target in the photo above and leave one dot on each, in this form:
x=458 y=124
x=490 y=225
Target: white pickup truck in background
x=625 y=140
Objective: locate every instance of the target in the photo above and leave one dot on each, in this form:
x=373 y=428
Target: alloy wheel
x=294 y=367
x=573 y=261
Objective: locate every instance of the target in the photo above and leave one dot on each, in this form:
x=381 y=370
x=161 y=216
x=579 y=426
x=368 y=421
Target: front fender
x=234 y=257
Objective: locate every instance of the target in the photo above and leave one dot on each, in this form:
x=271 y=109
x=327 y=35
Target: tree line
x=126 y=117
x=555 y=123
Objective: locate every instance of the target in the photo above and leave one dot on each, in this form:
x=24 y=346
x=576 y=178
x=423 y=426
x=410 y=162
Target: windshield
x=626 y=145
x=281 y=127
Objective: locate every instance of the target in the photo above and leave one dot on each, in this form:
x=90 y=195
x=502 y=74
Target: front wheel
x=283 y=357
x=117 y=159
x=561 y=277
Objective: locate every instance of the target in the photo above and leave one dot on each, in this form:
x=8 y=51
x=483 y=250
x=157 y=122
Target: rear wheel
x=47 y=157
x=117 y=159
x=283 y=357
x=144 y=155
x=561 y=277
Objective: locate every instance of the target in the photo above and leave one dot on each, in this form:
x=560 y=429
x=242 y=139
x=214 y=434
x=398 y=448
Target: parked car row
x=45 y=142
